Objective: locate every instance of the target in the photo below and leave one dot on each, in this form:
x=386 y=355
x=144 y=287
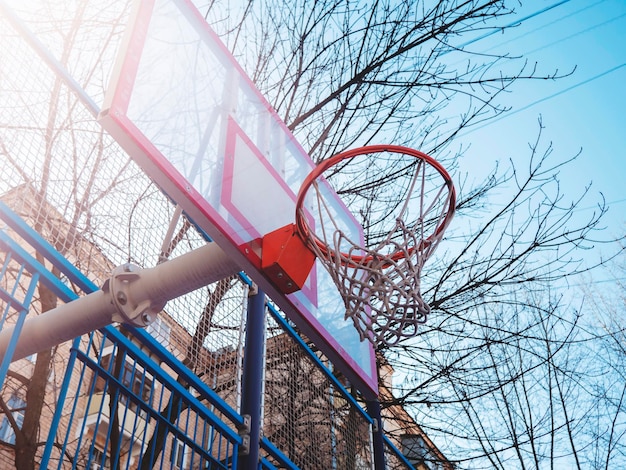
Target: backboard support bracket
x=286 y=260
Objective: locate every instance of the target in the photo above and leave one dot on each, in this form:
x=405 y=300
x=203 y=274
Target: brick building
x=113 y=396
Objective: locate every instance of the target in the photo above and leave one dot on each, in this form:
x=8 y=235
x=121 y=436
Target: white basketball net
x=380 y=285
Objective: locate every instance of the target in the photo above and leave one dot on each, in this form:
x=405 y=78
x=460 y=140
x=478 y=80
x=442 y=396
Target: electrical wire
x=551 y=24
x=578 y=33
x=546 y=98
x=510 y=25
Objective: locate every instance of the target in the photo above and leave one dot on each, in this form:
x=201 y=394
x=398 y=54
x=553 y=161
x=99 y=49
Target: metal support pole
x=373 y=409
x=132 y=295
x=252 y=381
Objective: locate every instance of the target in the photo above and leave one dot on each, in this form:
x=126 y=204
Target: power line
x=510 y=25
x=551 y=24
x=579 y=209
x=532 y=15
x=589 y=283
x=546 y=98
x=578 y=33
x=608 y=203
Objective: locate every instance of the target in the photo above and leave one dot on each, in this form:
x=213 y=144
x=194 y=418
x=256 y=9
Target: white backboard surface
x=183 y=108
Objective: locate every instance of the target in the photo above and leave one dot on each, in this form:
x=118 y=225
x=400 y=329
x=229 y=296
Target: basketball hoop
x=378 y=277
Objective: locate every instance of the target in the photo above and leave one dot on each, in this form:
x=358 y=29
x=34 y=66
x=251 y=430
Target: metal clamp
x=375 y=425
x=244 y=433
x=130 y=310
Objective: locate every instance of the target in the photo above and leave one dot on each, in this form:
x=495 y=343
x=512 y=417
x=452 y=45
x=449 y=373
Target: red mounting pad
x=286 y=259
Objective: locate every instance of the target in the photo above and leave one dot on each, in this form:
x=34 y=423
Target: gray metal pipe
x=132 y=295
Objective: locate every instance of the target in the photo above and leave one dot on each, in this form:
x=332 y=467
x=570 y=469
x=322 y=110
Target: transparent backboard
x=182 y=107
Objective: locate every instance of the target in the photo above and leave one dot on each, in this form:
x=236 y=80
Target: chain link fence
x=72 y=183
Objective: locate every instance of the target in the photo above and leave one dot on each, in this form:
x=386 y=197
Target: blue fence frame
x=125 y=386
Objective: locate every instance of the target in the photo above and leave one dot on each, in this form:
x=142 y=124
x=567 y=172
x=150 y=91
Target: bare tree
x=504 y=355
x=609 y=358
x=499 y=345
x=342 y=75
x=63 y=218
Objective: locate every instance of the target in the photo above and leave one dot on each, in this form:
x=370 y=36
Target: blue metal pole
x=252 y=380
x=6 y=360
x=373 y=409
x=59 y=411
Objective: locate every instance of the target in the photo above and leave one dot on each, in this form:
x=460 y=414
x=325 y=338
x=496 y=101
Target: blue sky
x=584 y=110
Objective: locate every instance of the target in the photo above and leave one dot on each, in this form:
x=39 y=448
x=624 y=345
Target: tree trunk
x=27 y=440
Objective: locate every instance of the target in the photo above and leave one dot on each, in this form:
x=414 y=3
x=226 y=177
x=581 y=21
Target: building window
x=132 y=377
x=160 y=331
x=17 y=406
x=179 y=455
x=414 y=448
x=183 y=457
x=99 y=460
